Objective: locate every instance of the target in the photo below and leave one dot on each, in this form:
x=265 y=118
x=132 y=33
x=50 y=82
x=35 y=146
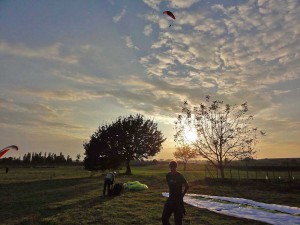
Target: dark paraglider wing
x=170 y=14
x=4 y=150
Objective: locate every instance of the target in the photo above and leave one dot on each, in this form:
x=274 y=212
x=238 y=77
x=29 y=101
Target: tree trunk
x=128 y=169
x=184 y=166
x=221 y=167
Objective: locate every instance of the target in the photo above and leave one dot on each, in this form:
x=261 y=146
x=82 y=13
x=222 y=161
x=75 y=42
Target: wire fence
x=268 y=173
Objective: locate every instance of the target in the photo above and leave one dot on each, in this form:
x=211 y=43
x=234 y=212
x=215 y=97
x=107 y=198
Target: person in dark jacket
x=174 y=203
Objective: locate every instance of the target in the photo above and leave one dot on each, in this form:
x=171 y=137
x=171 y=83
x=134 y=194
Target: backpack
x=117 y=189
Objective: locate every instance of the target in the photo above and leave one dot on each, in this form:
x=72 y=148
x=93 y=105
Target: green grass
x=71 y=195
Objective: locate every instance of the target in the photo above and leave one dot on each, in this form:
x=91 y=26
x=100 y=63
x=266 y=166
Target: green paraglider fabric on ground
x=134 y=186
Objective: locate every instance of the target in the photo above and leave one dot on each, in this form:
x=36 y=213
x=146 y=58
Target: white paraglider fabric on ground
x=245 y=208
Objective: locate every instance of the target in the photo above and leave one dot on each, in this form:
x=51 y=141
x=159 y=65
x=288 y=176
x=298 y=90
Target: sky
x=67 y=67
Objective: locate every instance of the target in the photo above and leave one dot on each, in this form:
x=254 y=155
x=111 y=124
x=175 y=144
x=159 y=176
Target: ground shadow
x=48 y=197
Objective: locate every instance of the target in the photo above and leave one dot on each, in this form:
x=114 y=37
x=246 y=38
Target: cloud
x=154 y=18
x=241 y=47
x=280 y=92
x=144 y=95
x=36 y=116
x=52 y=52
x=246 y=52
x=118 y=17
x=129 y=43
x=182 y=4
x=12 y=106
x=131 y=87
x=81 y=78
x=62 y=95
x=148 y=30
x=154 y=4
x=234 y=54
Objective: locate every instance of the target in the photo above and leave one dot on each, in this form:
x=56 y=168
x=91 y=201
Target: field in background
x=271 y=174
x=71 y=195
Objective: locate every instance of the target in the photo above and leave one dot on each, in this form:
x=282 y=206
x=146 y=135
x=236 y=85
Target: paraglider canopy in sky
x=4 y=150
x=170 y=14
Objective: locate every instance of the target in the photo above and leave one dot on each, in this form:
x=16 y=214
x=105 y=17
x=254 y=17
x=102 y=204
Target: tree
x=126 y=139
x=78 y=156
x=69 y=160
x=27 y=158
x=224 y=131
x=185 y=153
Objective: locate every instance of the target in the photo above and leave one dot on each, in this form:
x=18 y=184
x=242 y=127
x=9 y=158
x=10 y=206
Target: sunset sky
x=68 y=66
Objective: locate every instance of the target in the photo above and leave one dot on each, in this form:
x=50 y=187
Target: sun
x=190 y=135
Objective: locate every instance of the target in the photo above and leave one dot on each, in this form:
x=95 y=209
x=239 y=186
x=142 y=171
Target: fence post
x=255 y=172
x=289 y=172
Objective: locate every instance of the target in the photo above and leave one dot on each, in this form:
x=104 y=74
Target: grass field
x=71 y=195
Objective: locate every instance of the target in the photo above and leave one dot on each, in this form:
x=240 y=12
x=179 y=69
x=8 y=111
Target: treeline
x=40 y=159
x=268 y=164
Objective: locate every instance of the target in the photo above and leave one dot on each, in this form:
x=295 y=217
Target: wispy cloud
x=81 y=78
x=129 y=43
x=182 y=4
x=154 y=4
x=148 y=30
x=118 y=17
x=36 y=116
x=52 y=52
x=62 y=95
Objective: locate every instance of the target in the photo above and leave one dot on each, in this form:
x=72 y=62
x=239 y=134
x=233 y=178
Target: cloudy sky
x=68 y=66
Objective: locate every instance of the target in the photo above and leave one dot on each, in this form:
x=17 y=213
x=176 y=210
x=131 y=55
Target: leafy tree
x=126 y=139
x=38 y=159
x=27 y=158
x=69 y=160
x=49 y=158
x=60 y=159
x=78 y=156
x=224 y=131
x=185 y=153
x=100 y=154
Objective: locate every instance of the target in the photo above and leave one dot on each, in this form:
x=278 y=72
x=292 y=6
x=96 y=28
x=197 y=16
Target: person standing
x=108 y=182
x=174 y=203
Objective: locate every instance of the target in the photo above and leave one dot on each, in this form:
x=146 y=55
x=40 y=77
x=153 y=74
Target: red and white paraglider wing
x=170 y=14
x=4 y=150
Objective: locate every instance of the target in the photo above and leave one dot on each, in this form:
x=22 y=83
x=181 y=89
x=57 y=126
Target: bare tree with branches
x=185 y=154
x=224 y=131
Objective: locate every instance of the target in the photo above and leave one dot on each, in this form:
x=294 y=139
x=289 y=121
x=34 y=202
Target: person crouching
x=108 y=182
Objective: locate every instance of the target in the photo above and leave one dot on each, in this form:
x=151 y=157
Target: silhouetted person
x=174 y=203
x=6 y=170
x=108 y=182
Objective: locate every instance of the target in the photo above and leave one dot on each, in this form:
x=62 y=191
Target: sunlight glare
x=191 y=135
